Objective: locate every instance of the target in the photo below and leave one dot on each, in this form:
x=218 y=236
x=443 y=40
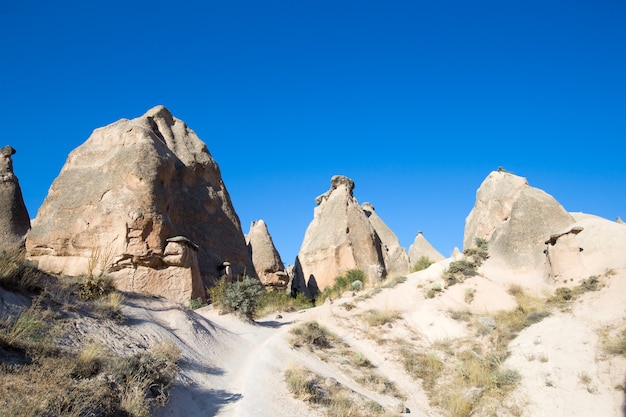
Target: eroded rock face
x=339 y=238
x=421 y=247
x=396 y=259
x=124 y=192
x=14 y=218
x=591 y=246
x=516 y=219
x=266 y=259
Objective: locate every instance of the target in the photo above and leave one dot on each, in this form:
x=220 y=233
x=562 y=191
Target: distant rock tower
x=266 y=259
x=421 y=247
x=14 y=218
x=339 y=238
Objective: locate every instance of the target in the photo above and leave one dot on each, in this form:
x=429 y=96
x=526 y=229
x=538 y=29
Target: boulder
x=515 y=219
x=14 y=218
x=396 y=259
x=124 y=193
x=266 y=259
x=340 y=237
x=421 y=247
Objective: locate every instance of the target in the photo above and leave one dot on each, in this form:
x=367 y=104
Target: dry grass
x=335 y=399
x=381 y=317
x=312 y=334
x=42 y=375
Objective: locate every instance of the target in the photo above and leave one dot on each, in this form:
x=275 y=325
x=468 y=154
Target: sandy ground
x=233 y=368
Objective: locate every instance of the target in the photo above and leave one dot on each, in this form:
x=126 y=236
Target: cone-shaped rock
x=516 y=219
x=422 y=247
x=14 y=219
x=266 y=259
x=128 y=189
x=339 y=238
x=396 y=259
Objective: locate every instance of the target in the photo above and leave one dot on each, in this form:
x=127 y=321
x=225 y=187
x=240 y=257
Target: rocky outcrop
x=14 y=218
x=124 y=193
x=266 y=259
x=591 y=246
x=421 y=247
x=515 y=219
x=396 y=259
x=339 y=238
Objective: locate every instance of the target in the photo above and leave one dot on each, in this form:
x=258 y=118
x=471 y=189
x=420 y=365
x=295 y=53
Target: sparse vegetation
x=460 y=270
x=422 y=263
x=311 y=334
x=44 y=377
x=616 y=345
x=334 y=398
x=380 y=317
x=392 y=282
x=342 y=284
x=271 y=301
x=469 y=295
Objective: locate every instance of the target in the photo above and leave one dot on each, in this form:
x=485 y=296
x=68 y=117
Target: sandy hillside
x=233 y=368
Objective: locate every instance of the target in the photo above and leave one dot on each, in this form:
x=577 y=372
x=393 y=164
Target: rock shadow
x=192 y=400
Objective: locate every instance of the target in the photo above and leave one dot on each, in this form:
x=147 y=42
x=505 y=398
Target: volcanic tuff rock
x=421 y=247
x=516 y=219
x=396 y=260
x=14 y=218
x=128 y=189
x=591 y=246
x=267 y=263
x=339 y=238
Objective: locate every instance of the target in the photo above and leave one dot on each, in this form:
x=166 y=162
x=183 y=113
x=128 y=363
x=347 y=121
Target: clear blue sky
x=416 y=101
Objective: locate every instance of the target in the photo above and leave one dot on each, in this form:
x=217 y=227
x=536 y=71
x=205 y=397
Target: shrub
x=311 y=333
x=422 y=263
x=242 y=297
x=342 y=283
x=92 y=288
x=422 y=366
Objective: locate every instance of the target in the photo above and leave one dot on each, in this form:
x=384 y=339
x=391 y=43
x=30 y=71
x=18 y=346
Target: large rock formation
x=516 y=219
x=122 y=196
x=14 y=218
x=421 y=247
x=267 y=263
x=396 y=259
x=339 y=238
x=591 y=246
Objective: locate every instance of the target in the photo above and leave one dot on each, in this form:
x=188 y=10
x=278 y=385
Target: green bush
x=421 y=264
x=342 y=283
x=242 y=297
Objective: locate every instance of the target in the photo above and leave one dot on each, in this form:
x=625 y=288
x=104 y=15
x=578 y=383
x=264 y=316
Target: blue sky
x=415 y=101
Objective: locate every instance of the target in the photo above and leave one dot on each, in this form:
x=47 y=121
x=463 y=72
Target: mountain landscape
x=135 y=292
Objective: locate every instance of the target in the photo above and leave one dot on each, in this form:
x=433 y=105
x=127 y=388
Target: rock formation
x=421 y=247
x=516 y=219
x=267 y=263
x=124 y=193
x=14 y=218
x=591 y=246
x=339 y=238
x=396 y=259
